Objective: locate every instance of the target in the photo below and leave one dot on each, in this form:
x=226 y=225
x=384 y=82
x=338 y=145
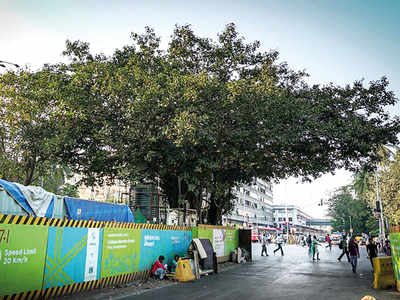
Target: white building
x=293 y=214
x=253 y=206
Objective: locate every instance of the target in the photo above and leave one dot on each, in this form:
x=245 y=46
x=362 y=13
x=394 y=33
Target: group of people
x=159 y=269
x=350 y=248
x=312 y=243
x=265 y=240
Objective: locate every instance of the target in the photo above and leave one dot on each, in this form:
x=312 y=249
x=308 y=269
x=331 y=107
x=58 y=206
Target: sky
x=334 y=41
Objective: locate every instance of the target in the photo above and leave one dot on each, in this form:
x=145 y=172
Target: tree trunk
x=213 y=215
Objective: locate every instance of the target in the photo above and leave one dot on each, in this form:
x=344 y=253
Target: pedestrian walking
x=387 y=248
x=314 y=248
x=264 y=245
x=279 y=242
x=354 y=254
x=372 y=251
x=329 y=241
x=343 y=246
x=309 y=241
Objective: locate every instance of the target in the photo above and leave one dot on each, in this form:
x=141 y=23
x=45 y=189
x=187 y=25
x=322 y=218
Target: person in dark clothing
x=344 y=249
x=387 y=248
x=354 y=254
x=264 y=245
x=372 y=251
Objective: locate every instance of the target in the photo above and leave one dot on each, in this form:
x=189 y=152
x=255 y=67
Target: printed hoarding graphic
x=162 y=242
x=152 y=247
x=395 y=246
x=121 y=251
x=219 y=242
x=92 y=254
x=231 y=241
x=72 y=256
x=22 y=254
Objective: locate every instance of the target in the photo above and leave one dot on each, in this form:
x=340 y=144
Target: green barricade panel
x=121 y=251
x=22 y=256
x=395 y=245
x=231 y=241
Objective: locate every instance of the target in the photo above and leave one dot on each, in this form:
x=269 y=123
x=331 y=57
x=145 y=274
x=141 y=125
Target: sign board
x=231 y=241
x=121 y=251
x=219 y=242
x=22 y=255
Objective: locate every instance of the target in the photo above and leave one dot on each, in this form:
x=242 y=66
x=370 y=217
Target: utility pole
x=351 y=227
x=287 y=216
x=378 y=198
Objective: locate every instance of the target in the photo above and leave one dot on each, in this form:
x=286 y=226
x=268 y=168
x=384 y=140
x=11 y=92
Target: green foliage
x=28 y=127
x=196 y=118
x=344 y=208
x=70 y=190
x=389 y=188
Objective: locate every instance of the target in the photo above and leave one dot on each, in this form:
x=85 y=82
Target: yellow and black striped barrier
x=83 y=286
x=31 y=220
x=60 y=291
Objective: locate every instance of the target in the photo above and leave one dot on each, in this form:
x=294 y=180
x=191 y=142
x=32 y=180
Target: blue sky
x=335 y=41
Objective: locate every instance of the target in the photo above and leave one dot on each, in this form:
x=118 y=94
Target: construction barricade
x=383 y=272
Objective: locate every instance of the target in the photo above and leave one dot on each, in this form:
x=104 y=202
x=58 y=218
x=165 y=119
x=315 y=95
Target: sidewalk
x=134 y=288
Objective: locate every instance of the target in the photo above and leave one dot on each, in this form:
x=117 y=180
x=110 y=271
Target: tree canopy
x=199 y=117
x=349 y=212
x=389 y=189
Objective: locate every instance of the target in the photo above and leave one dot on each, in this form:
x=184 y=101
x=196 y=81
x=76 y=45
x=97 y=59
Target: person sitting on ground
x=158 y=270
x=174 y=263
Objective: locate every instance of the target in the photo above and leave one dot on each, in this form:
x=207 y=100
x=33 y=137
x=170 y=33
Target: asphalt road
x=292 y=276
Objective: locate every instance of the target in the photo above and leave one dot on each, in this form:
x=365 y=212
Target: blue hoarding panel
x=73 y=256
x=162 y=242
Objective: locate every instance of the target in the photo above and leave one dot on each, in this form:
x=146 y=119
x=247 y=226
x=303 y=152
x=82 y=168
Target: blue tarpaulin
x=79 y=209
x=16 y=193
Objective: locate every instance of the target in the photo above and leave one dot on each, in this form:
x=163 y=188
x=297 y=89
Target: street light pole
x=351 y=227
x=378 y=198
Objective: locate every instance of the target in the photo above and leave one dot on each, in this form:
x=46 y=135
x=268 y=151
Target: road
x=293 y=276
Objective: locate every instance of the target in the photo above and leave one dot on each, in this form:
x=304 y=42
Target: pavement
x=292 y=276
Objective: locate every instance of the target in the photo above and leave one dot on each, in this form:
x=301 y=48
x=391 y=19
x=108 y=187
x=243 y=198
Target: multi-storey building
x=253 y=205
x=296 y=217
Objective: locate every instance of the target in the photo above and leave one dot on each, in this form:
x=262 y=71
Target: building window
x=290 y=219
x=247 y=203
x=279 y=219
x=247 y=192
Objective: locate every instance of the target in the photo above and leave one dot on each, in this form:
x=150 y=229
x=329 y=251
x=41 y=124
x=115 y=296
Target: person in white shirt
x=279 y=242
